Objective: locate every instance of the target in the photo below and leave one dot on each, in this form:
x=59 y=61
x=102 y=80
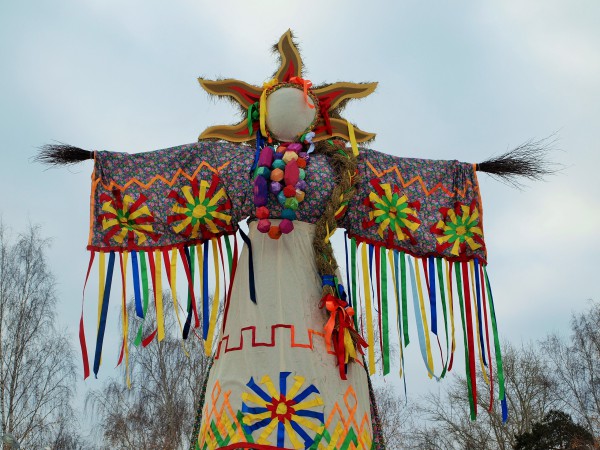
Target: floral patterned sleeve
x=420 y=206
x=168 y=198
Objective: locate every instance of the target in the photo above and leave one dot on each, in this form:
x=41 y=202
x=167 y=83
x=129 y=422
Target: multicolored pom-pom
x=281 y=171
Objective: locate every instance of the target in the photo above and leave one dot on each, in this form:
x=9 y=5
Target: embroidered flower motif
x=392 y=211
x=126 y=218
x=288 y=413
x=201 y=210
x=458 y=228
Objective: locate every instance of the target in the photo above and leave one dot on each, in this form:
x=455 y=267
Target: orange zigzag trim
x=179 y=172
x=350 y=420
x=273 y=341
x=96 y=181
x=418 y=179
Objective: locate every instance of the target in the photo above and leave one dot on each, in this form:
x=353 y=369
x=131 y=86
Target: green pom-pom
x=263 y=172
x=291 y=203
x=278 y=164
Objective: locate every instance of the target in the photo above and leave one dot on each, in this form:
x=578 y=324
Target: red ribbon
x=339 y=308
x=324 y=109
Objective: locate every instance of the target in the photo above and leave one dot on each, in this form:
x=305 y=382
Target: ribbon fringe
x=434 y=284
x=146 y=274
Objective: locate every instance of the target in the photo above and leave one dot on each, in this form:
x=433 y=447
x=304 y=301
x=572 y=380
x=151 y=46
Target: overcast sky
x=457 y=80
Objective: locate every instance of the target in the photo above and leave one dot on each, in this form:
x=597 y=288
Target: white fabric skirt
x=274 y=384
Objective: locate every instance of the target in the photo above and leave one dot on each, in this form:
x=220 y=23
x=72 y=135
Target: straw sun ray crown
x=328 y=98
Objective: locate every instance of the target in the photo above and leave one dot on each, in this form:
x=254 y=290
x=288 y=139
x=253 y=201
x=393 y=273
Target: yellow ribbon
x=349 y=346
x=450 y=302
x=263 y=106
x=367 y=285
x=125 y=320
x=329 y=233
x=476 y=314
x=352 y=138
x=160 y=319
x=424 y=317
x=215 y=304
x=173 y=277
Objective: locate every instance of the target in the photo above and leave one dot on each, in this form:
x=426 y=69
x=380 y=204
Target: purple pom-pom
x=260 y=191
x=275 y=187
x=301 y=185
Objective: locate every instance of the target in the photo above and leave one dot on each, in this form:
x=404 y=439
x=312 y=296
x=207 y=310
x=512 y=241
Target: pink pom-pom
x=264 y=225
x=266 y=157
x=295 y=147
x=292 y=173
x=286 y=226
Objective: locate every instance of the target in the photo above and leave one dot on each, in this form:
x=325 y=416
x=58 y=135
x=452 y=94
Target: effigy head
x=288 y=107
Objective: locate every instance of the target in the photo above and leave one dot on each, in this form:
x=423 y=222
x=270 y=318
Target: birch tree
x=36 y=360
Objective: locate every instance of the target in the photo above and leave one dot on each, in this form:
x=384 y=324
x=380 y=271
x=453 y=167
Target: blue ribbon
x=347 y=268
x=327 y=280
x=305 y=393
x=371 y=253
x=479 y=315
x=432 y=296
x=308 y=441
x=259 y=144
x=258 y=390
x=102 y=325
x=280 y=435
x=420 y=327
x=139 y=310
x=504 y=409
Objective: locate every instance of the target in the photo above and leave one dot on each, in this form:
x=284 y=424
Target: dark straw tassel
x=62 y=155
x=528 y=160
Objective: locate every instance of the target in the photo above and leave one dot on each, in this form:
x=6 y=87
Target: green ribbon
x=145 y=293
x=252 y=116
x=458 y=275
x=229 y=254
x=404 y=299
x=384 y=312
x=501 y=391
x=440 y=273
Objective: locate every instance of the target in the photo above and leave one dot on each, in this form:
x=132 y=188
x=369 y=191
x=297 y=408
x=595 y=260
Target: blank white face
x=288 y=115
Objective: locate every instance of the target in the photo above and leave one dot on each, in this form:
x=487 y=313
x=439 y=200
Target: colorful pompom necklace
x=281 y=170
